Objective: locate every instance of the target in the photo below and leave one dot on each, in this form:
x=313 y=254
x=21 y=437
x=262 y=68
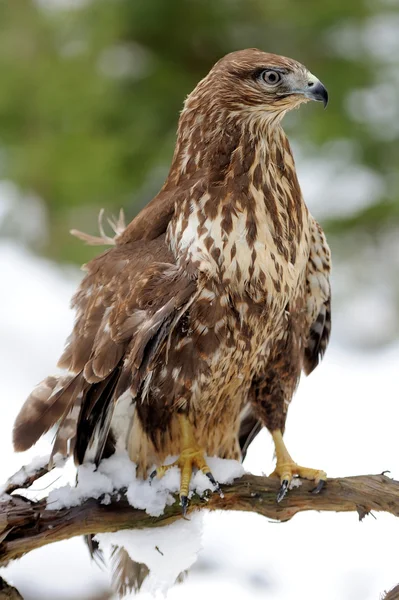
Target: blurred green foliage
x=90 y=95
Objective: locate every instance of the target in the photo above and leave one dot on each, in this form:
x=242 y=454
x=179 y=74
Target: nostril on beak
x=310 y=83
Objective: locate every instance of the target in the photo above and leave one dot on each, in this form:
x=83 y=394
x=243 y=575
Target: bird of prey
x=192 y=330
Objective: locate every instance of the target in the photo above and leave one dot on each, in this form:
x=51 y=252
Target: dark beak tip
x=320 y=94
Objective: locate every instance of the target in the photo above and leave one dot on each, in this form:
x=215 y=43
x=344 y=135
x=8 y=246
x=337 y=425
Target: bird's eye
x=270 y=77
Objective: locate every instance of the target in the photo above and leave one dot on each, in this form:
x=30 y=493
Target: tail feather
x=128 y=575
x=250 y=426
x=65 y=438
x=95 y=417
x=42 y=409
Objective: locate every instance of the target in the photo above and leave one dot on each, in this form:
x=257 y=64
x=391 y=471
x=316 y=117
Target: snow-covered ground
x=343 y=419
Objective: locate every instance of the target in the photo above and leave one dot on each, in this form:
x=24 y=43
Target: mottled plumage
x=212 y=300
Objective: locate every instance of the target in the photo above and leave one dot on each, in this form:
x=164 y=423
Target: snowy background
x=343 y=419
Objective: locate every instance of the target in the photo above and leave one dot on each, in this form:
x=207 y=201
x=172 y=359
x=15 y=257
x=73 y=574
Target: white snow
x=35 y=465
x=118 y=472
x=26 y=471
x=167 y=551
x=295 y=483
x=91 y=484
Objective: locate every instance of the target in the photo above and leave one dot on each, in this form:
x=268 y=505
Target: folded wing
x=125 y=308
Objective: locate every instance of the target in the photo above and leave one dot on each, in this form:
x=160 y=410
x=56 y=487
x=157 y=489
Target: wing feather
x=126 y=307
x=318 y=303
x=43 y=408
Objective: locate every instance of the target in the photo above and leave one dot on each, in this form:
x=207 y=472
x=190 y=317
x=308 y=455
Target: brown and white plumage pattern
x=212 y=300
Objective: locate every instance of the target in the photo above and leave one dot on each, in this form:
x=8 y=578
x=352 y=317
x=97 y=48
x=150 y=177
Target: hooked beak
x=306 y=85
x=315 y=90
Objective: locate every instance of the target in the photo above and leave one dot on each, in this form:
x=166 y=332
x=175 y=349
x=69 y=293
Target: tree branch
x=392 y=594
x=26 y=525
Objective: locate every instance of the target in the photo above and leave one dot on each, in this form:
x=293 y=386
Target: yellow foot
x=288 y=470
x=189 y=459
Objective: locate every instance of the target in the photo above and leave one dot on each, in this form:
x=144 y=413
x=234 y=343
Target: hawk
x=192 y=331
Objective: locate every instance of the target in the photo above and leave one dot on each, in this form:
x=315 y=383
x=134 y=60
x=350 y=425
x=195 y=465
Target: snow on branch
x=26 y=525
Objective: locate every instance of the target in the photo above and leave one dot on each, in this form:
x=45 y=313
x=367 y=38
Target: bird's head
x=251 y=81
x=246 y=93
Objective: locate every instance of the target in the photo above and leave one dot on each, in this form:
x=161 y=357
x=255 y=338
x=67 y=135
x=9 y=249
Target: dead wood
x=392 y=594
x=26 y=525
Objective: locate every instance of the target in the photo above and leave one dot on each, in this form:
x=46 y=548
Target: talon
x=184 y=505
x=283 y=490
x=286 y=468
x=191 y=457
x=319 y=487
x=215 y=484
x=153 y=475
x=212 y=479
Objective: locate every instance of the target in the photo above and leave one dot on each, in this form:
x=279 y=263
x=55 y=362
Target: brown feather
x=152 y=220
x=42 y=409
x=319 y=337
x=128 y=575
x=250 y=426
x=65 y=438
x=211 y=301
x=95 y=417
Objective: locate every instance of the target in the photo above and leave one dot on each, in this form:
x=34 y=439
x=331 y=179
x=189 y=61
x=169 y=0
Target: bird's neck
x=238 y=162
x=242 y=204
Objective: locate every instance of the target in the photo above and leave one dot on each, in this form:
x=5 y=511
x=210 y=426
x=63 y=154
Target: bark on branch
x=392 y=594
x=26 y=525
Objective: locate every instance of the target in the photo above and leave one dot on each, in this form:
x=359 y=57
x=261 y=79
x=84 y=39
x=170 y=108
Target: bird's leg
x=286 y=468
x=191 y=456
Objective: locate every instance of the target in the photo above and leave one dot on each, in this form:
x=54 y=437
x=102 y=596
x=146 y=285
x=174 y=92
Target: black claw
x=211 y=478
x=153 y=475
x=184 y=505
x=214 y=483
x=319 y=487
x=283 y=490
